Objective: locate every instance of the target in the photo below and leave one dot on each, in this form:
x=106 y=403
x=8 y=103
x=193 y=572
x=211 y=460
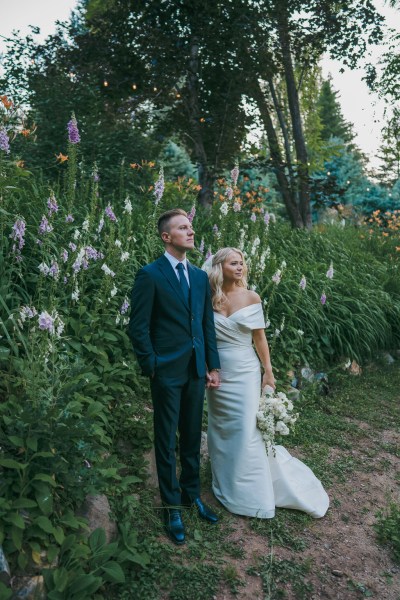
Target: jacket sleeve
x=210 y=341
x=140 y=319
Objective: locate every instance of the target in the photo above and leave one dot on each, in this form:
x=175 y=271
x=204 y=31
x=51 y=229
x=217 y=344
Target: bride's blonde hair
x=216 y=278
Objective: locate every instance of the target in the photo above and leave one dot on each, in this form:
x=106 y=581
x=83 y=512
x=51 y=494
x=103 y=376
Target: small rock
x=307 y=374
x=388 y=358
x=30 y=588
x=394 y=570
x=96 y=509
x=293 y=394
x=355 y=368
x=337 y=573
x=5 y=573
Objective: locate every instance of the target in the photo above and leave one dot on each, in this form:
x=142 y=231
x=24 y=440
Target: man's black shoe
x=173 y=525
x=203 y=511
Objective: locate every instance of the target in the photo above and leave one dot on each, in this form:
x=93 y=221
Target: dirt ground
x=346 y=561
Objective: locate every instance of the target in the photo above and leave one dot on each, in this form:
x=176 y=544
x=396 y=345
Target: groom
x=173 y=336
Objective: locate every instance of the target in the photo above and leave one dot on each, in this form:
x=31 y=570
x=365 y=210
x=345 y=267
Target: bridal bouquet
x=274 y=415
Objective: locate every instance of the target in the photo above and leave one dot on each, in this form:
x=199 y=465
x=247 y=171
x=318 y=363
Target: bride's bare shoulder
x=252 y=297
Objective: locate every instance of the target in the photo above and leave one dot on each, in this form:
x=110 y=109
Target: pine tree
x=334 y=124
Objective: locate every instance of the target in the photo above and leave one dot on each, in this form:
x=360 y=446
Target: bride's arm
x=261 y=344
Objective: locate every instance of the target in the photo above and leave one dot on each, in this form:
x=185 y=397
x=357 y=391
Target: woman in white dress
x=245 y=479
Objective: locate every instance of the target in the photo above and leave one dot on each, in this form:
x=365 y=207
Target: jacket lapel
x=168 y=272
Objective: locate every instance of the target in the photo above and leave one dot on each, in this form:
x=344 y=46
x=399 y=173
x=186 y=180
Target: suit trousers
x=178 y=406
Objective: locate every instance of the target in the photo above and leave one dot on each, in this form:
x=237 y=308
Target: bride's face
x=232 y=268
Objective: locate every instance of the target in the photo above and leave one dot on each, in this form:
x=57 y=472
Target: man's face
x=180 y=235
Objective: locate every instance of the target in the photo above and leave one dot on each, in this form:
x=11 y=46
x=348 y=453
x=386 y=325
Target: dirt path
x=344 y=559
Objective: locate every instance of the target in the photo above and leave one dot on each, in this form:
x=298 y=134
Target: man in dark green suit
x=173 y=336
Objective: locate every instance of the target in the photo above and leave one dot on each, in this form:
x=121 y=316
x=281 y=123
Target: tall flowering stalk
x=159 y=186
x=4 y=141
x=73 y=141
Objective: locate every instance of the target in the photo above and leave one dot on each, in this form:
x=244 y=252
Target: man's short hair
x=165 y=218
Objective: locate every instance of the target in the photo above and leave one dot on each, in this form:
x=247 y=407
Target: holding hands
x=213 y=379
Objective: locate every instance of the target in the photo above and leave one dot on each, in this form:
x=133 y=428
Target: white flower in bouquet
x=274 y=416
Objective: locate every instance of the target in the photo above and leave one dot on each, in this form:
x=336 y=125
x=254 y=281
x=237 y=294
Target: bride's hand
x=268 y=379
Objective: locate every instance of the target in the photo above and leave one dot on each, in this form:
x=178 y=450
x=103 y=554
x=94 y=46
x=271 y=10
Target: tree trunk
x=277 y=162
x=294 y=107
x=285 y=134
x=205 y=176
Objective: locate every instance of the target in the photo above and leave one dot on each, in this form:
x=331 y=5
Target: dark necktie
x=183 y=281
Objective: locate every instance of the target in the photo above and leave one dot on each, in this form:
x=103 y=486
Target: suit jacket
x=164 y=329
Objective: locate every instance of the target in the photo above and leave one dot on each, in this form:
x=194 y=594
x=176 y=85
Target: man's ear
x=165 y=236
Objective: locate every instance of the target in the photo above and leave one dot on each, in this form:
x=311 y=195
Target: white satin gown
x=245 y=479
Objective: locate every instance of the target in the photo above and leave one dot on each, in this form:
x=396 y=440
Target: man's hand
x=213 y=379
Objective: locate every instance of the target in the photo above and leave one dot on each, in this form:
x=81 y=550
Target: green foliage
x=72 y=399
x=274 y=572
x=388 y=528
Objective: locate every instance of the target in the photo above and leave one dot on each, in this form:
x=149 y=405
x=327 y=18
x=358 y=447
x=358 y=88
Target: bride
x=245 y=479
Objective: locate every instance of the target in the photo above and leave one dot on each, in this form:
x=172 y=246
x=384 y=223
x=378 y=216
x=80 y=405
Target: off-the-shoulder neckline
x=238 y=310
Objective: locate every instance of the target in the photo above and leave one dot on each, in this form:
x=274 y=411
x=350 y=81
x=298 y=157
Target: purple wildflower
x=201 y=247
x=101 y=225
x=52 y=205
x=235 y=174
x=276 y=278
x=124 y=308
x=18 y=233
x=91 y=253
x=253 y=217
x=27 y=313
x=46 y=322
x=110 y=213
x=159 y=186
x=215 y=229
x=45 y=226
x=72 y=246
x=96 y=176
x=237 y=207
x=329 y=272
x=4 y=141
x=65 y=280
x=64 y=255
x=192 y=214
x=69 y=219
x=209 y=253
x=229 y=193
x=54 y=270
x=323 y=298
x=73 y=131
x=303 y=283
x=267 y=217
